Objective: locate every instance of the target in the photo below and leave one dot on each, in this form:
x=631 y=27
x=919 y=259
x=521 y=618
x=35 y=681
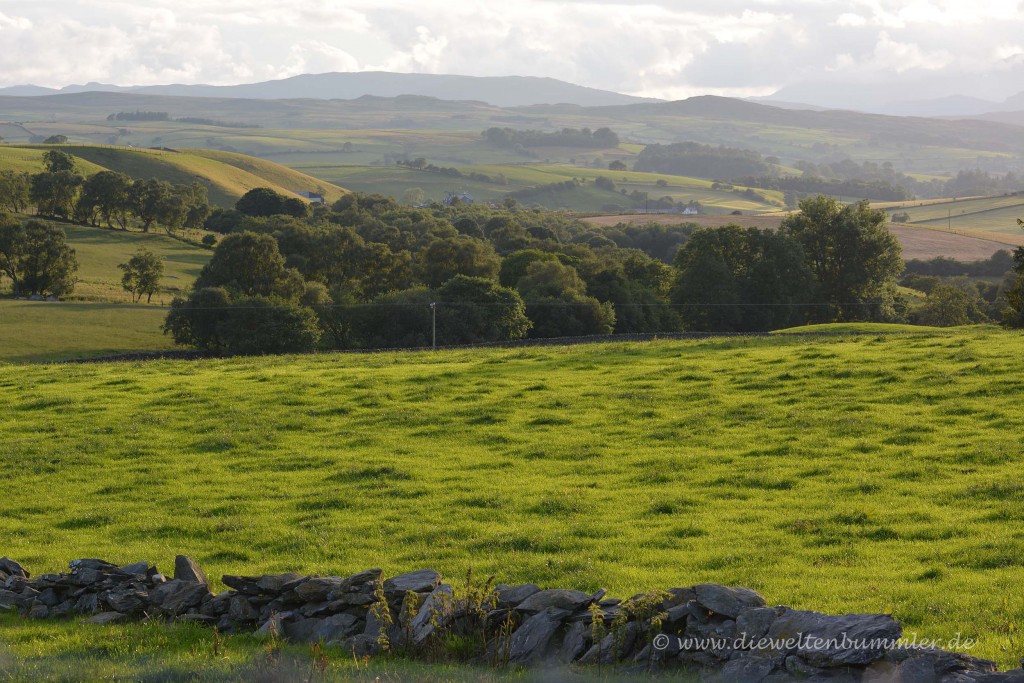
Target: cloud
x=667 y=48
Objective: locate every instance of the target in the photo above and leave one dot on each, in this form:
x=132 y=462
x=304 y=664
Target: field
x=919 y=241
x=989 y=217
x=226 y=175
x=877 y=472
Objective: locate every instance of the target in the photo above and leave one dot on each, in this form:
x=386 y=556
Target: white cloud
x=664 y=48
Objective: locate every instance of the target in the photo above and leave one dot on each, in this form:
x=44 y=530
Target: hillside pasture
x=868 y=473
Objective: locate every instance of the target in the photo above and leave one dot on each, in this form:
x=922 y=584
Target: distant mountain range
x=501 y=91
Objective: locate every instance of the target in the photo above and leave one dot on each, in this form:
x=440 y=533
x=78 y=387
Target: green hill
x=227 y=175
x=870 y=473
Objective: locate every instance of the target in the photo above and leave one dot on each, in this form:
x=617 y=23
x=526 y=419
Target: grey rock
x=242 y=584
x=559 y=598
x=86 y=576
x=218 y=605
x=186 y=569
x=274 y=624
x=679 y=596
x=87 y=604
x=342 y=601
x=613 y=648
x=532 y=640
x=277 y=583
x=39 y=612
x=746 y=670
x=316 y=589
x=63 y=609
x=241 y=611
x=104 y=618
x=177 y=597
x=727 y=601
x=127 y=602
x=511 y=596
x=135 y=568
x=12 y=568
x=10 y=599
x=362 y=645
x=98 y=565
x=799 y=667
x=422 y=581
x=328 y=630
x=436 y=608
x=574 y=643
x=752 y=625
x=917 y=670
x=821 y=636
x=48 y=597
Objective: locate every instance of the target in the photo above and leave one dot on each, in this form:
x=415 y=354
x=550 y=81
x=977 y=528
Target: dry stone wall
x=724 y=633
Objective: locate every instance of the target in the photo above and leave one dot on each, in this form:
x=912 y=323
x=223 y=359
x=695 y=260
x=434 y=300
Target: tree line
x=104 y=198
x=369 y=273
x=585 y=138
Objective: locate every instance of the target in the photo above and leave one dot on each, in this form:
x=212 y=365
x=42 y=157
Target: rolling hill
x=503 y=91
x=227 y=175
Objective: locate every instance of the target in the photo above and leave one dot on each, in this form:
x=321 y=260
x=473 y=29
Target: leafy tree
x=473 y=310
x=394 y=319
x=246 y=264
x=12 y=246
x=142 y=274
x=56 y=161
x=148 y=199
x=55 y=193
x=557 y=304
x=949 y=305
x=56 y=140
x=617 y=165
x=414 y=196
x=1013 y=316
x=196 y=320
x=14 y=191
x=36 y=257
x=734 y=279
x=261 y=325
x=443 y=259
x=513 y=266
x=263 y=201
x=854 y=257
x=106 y=195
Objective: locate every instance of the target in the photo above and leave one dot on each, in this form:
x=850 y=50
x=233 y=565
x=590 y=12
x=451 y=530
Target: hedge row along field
x=872 y=473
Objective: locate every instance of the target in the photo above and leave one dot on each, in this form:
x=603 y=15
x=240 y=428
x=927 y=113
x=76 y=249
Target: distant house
x=690 y=211
x=313 y=197
x=457 y=198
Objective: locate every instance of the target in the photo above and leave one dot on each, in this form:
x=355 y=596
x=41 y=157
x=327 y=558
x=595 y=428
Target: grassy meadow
x=876 y=472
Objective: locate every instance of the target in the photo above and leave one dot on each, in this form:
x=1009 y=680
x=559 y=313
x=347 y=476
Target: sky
x=667 y=49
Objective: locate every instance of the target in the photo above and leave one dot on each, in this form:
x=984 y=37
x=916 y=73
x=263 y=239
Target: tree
x=14 y=191
x=36 y=258
x=142 y=275
x=443 y=259
x=106 y=195
x=949 y=305
x=56 y=140
x=854 y=257
x=734 y=279
x=617 y=165
x=1013 y=316
x=56 y=161
x=473 y=310
x=265 y=202
x=246 y=264
x=148 y=199
x=557 y=304
x=414 y=196
x=55 y=193
x=12 y=246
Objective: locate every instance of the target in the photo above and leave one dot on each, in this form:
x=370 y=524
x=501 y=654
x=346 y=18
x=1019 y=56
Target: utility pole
x=433 y=325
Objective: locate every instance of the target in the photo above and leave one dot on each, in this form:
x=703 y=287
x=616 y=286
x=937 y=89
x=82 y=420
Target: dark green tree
x=37 y=258
x=247 y=264
x=55 y=193
x=473 y=310
x=142 y=274
x=14 y=191
x=557 y=303
x=443 y=259
x=734 y=279
x=854 y=257
x=148 y=199
x=105 y=196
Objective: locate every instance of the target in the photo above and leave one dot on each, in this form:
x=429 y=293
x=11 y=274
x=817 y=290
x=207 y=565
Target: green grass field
x=878 y=472
x=993 y=215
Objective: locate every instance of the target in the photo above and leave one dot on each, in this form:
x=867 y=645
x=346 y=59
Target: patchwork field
x=877 y=472
x=919 y=241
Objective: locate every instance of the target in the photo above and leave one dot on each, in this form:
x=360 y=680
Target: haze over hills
x=503 y=91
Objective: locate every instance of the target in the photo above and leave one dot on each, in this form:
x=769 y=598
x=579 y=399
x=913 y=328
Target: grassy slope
x=227 y=176
x=99 y=319
x=38 y=330
x=874 y=473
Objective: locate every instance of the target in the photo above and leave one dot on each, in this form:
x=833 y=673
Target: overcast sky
x=668 y=49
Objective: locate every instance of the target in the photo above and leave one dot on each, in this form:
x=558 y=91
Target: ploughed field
x=847 y=473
